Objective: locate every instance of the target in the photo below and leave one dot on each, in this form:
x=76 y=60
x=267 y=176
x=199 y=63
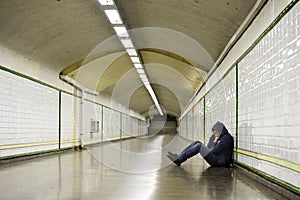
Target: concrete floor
x=81 y=175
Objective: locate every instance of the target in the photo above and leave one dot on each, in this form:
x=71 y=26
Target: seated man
x=218 y=152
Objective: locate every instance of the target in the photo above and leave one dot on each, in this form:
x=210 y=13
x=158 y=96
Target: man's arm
x=221 y=145
x=211 y=142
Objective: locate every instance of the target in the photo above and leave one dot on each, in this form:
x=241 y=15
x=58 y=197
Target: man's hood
x=220 y=128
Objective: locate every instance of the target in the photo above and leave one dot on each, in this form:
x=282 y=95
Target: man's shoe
x=174 y=159
x=171 y=153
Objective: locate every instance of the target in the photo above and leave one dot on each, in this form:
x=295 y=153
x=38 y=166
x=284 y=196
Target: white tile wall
x=269 y=98
x=126 y=126
x=144 y=128
x=272 y=169
x=28 y=114
x=190 y=119
x=107 y=128
x=220 y=105
x=116 y=122
x=269 y=101
x=91 y=112
x=135 y=127
x=130 y=126
x=199 y=121
x=70 y=119
x=183 y=127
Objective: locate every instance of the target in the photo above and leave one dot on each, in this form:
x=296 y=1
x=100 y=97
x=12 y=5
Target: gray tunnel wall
x=258 y=99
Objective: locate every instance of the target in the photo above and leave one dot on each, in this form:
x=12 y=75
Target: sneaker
x=171 y=153
x=174 y=159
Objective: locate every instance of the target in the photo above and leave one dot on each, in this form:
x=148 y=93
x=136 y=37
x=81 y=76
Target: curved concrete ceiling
x=167 y=98
x=210 y=22
x=178 y=41
x=105 y=71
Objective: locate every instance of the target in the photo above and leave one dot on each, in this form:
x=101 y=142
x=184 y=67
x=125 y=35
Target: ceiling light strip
x=112 y=13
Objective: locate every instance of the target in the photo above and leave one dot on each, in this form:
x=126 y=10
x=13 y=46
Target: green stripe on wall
x=271 y=178
x=236 y=111
x=271 y=159
x=35 y=153
x=33 y=79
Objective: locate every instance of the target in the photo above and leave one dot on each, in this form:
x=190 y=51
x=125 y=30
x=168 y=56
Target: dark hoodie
x=221 y=154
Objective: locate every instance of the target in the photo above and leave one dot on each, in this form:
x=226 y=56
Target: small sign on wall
x=94 y=126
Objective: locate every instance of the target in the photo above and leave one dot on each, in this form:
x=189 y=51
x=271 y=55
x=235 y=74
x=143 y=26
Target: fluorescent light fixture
x=140 y=71
x=159 y=109
x=106 y=2
x=138 y=66
x=127 y=43
x=143 y=77
x=135 y=59
x=143 y=80
x=147 y=86
x=131 y=52
x=152 y=94
x=121 y=31
x=113 y=16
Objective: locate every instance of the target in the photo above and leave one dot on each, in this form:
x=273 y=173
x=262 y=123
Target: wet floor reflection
x=78 y=175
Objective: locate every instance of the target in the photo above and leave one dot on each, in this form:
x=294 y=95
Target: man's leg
x=204 y=150
x=188 y=147
x=190 y=151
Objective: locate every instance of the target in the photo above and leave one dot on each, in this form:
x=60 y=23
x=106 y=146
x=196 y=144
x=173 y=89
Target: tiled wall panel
x=199 y=121
x=183 y=126
x=269 y=97
x=70 y=118
x=28 y=114
x=220 y=105
x=107 y=129
x=126 y=126
x=135 y=127
x=144 y=128
x=91 y=112
x=190 y=119
x=116 y=122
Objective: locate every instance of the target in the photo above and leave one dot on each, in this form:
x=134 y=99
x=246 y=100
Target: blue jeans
x=192 y=150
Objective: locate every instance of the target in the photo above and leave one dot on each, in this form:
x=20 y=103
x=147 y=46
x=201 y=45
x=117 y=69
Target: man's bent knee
x=197 y=142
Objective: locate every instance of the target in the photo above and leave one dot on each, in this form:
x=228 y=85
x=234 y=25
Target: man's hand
x=216 y=138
